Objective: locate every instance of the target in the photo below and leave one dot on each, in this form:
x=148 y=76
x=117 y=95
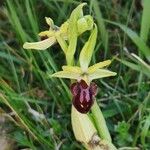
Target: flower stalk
x=100 y=122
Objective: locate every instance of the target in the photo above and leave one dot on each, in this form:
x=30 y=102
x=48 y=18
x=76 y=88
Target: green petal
x=98 y=66
x=42 y=45
x=74 y=69
x=101 y=73
x=66 y=74
x=87 y=50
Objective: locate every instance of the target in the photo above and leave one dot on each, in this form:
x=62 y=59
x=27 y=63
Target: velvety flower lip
x=83 y=95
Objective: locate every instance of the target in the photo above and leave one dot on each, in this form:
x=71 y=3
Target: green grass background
x=37 y=108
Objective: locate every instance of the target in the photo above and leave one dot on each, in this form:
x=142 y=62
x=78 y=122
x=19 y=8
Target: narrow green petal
x=42 y=45
x=87 y=50
x=98 y=66
x=101 y=73
x=74 y=69
x=66 y=74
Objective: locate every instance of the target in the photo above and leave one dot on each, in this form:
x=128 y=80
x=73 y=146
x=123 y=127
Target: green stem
x=100 y=122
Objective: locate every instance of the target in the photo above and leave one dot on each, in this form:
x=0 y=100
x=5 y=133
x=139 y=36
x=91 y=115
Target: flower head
x=82 y=90
x=84 y=72
x=49 y=37
x=62 y=34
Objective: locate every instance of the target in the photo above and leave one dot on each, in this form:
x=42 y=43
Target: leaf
x=101 y=24
x=14 y=19
x=138 y=67
x=87 y=50
x=145 y=129
x=145 y=23
x=31 y=17
x=135 y=38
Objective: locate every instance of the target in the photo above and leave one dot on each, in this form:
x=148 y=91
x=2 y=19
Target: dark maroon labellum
x=83 y=95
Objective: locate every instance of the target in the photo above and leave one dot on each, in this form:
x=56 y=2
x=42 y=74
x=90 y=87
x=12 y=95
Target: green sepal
x=73 y=32
x=87 y=50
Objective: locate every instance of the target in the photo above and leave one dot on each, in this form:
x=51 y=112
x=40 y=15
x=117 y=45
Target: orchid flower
x=84 y=72
x=84 y=90
x=60 y=34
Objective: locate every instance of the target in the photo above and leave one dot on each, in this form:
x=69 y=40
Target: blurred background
x=35 y=109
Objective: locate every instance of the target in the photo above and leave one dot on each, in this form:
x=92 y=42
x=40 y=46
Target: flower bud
x=83 y=127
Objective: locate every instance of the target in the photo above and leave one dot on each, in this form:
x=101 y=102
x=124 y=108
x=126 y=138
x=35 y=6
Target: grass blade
x=101 y=24
x=135 y=38
x=145 y=24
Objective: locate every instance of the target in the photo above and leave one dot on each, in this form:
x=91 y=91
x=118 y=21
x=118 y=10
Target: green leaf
x=138 y=67
x=101 y=23
x=136 y=39
x=14 y=19
x=145 y=129
x=87 y=50
x=145 y=24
